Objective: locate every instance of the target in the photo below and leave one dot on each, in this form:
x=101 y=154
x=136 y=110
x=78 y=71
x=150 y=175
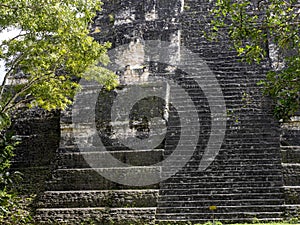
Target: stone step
x=202 y=186
x=73 y=148
x=140 y=158
x=245 y=149
x=90 y=179
x=226 y=172
x=99 y=215
x=99 y=159
x=254 y=157
x=238 y=209
x=219 y=202
x=292 y=194
x=224 y=209
x=96 y=198
x=224 y=197
x=290 y=135
x=291 y=174
x=292 y=211
x=200 y=190
x=237 y=213
x=290 y=154
x=249 y=220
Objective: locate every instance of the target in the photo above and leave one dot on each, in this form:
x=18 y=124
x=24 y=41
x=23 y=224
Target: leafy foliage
x=265 y=29
x=52 y=48
x=15 y=211
x=7 y=145
x=12 y=209
x=50 y=52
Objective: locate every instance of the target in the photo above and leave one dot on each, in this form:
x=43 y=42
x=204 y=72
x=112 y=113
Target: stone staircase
x=244 y=181
x=247 y=180
x=78 y=194
x=290 y=149
x=244 y=185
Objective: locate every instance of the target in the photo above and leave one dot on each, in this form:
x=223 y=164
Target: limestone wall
x=245 y=180
x=244 y=176
x=39 y=133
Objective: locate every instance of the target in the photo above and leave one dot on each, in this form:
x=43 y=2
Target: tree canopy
x=266 y=29
x=52 y=47
x=51 y=50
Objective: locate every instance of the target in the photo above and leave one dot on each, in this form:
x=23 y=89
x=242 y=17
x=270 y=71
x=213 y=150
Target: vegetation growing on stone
x=52 y=48
x=263 y=30
x=50 y=51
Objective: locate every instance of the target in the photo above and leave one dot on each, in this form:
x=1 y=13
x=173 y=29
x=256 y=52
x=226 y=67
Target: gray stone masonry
x=255 y=174
x=290 y=150
x=77 y=193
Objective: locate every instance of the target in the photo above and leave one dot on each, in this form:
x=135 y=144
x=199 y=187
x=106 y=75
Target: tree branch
x=17 y=104
x=7 y=6
x=14 y=38
x=8 y=106
x=9 y=73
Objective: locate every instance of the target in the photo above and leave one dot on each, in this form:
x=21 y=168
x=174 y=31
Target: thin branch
x=13 y=67
x=14 y=38
x=16 y=8
x=7 y=6
x=8 y=106
x=7 y=75
x=17 y=104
